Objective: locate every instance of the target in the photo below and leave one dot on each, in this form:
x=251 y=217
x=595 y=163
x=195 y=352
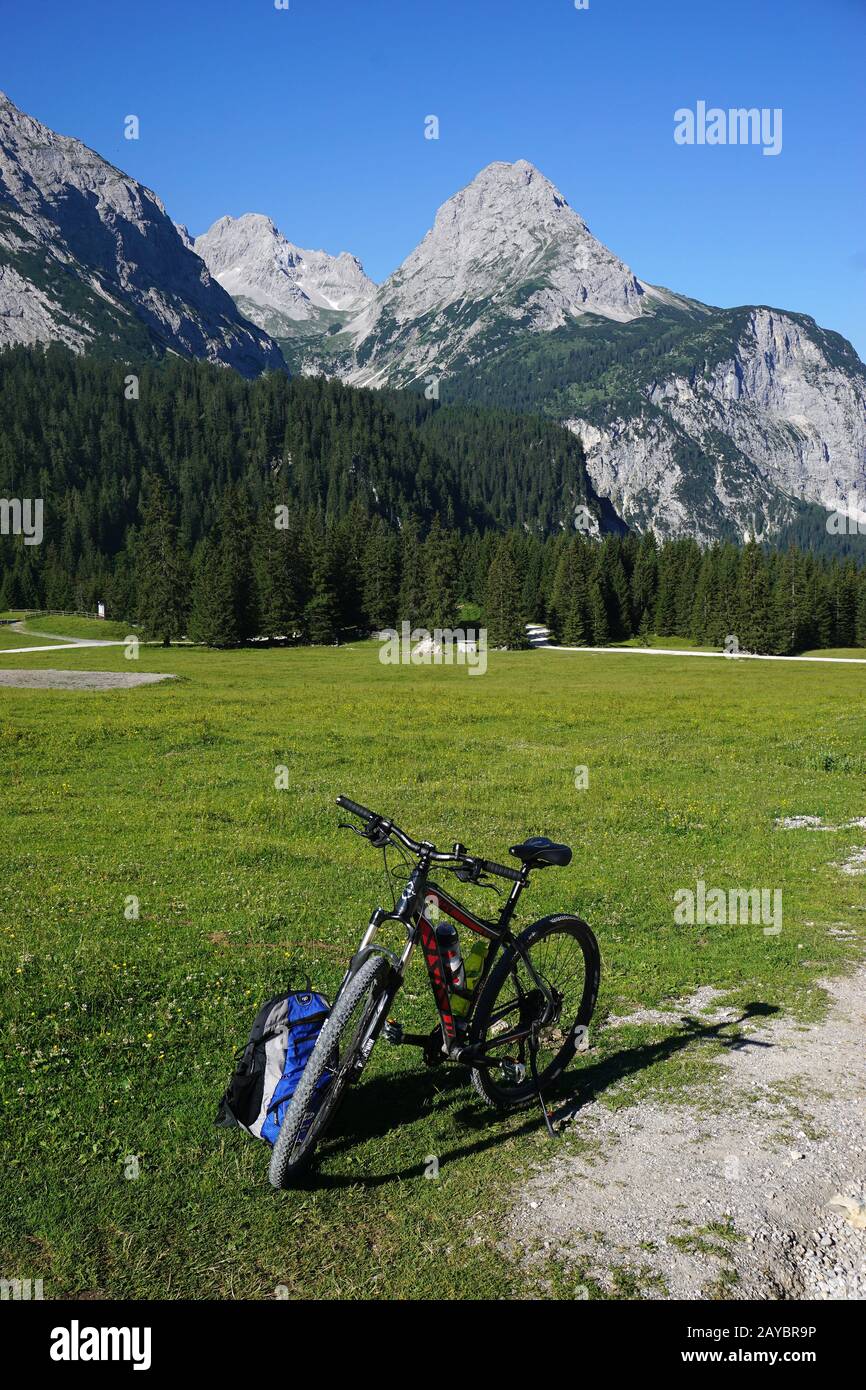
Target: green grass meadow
x=119 y=1034
x=36 y=628
x=72 y=627
x=12 y=640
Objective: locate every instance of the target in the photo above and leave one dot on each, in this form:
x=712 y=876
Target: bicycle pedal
x=393 y=1032
x=513 y=1073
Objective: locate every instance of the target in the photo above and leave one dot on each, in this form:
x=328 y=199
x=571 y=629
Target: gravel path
x=66 y=639
x=538 y=636
x=731 y=1195
x=54 y=642
x=78 y=680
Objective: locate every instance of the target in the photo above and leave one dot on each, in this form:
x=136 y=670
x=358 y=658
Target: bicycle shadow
x=383 y=1103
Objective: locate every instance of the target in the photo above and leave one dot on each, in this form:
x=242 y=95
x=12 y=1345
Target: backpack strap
x=318 y=1019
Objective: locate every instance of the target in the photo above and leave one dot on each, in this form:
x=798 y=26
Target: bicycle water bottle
x=472 y=968
x=449 y=945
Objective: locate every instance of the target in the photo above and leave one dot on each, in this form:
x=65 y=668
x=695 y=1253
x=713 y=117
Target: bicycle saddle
x=539 y=852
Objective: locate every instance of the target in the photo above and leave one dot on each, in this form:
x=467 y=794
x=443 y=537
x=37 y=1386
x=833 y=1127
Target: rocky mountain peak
x=252 y=259
x=510 y=236
x=506 y=251
x=88 y=253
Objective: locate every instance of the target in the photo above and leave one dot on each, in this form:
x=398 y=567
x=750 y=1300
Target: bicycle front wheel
x=340 y=1054
x=565 y=956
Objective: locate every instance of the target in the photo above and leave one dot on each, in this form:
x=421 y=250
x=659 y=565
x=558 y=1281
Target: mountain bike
x=516 y=1025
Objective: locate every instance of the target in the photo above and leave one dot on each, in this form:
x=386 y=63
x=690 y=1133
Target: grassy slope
x=119 y=1035
x=684 y=644
x=11 y=640
x=80 y=627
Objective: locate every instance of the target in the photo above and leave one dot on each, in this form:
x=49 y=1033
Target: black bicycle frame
x=419 y=901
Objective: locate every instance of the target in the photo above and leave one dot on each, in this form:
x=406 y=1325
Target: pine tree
x=665 y=611
x=569 y=604
x=644 y=580
x=440 y=571
x=161 y=572
x=235 y=551
x=212 y=618
x=754 y=628
x=861 y=609
x=280 y=576
x=598 y=615
x=380 y=576
x=323 y=608
x=412 y=598
x=502 y=614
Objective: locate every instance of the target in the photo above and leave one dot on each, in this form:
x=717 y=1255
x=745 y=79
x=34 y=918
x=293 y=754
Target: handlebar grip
x=502 y=870
x=355 y=809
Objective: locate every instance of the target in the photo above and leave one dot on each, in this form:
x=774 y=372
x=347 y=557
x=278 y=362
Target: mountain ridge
x=89 y=257
x=694 y=419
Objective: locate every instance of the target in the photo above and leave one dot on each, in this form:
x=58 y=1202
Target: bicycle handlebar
x=487 y=866
x=356 y=810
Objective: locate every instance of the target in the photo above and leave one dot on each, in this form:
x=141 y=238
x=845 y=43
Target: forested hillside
x=82 y=435
x=199 y=503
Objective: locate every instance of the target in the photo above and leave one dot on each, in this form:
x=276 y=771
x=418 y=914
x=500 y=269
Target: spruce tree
x=754 y=627
x=844 y=584
x=380 y=576
x=322 y=613
x=212 y=618
x=280 y=573
x=569 y=604
x=502 y=613
x=161 y=571
x=644 y=580
x=412 y=598
x=614 y=590
x=789 y=607
x=703 y=606
x=861 y=609
x=665 y=610
x=598 y=618
x=440 y=578
x=236 y=559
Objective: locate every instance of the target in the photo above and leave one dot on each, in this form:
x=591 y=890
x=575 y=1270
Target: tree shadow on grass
x=385 y=1103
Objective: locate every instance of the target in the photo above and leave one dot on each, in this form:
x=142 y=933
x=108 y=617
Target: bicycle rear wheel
x=338 y=1058
x=564 y=953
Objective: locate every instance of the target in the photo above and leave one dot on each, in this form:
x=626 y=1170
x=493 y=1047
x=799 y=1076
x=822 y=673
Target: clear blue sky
x=315 y=116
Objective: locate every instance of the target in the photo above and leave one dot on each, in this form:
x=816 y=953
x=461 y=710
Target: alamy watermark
x=22 y=516
x=714 y=907
x=447 y=646
x=848 y=517
x=21 y=1289
x=739 y=125
x=77 y=1343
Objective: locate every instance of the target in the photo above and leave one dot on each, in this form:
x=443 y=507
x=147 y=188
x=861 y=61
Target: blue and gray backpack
x=269 y=1068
